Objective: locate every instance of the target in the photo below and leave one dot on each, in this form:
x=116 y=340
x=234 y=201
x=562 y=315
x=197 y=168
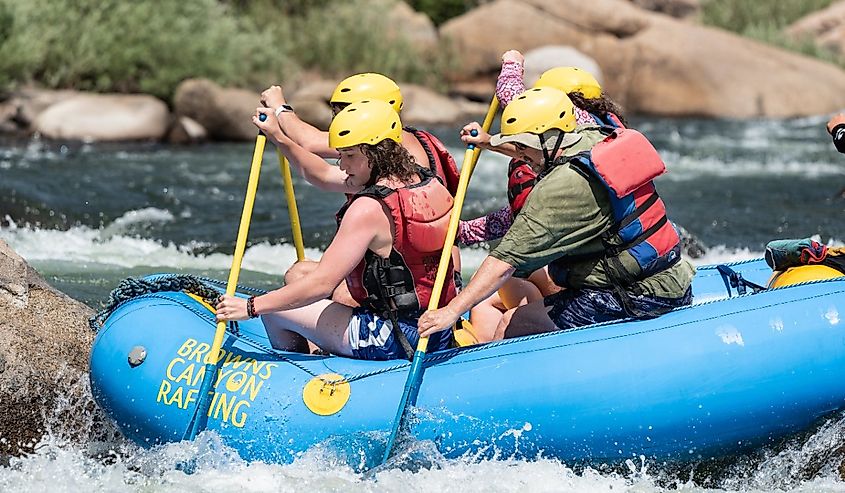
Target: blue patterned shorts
x=371 y=336
x=578 y=307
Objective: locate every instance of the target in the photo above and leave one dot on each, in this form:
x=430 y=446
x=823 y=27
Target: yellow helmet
x=802 y=273
x=538 y=110
x=368 y=86
x=571 y=79
x=365 y=122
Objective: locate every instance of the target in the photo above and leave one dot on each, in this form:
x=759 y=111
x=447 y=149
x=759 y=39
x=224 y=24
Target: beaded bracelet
x=250 y=307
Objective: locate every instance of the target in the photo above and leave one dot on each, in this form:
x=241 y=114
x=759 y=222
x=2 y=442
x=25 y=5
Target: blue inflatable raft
x=730 y=373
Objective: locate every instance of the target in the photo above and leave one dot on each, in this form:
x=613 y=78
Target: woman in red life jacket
x=426 y=150
x=592 y=108
x=390 y=234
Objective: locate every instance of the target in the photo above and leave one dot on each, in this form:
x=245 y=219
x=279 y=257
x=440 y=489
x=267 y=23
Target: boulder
x=19 y=111
x=44 y=346
x=652 y=63
x=416 y=27
x=478 y=90
x=104 y=117
x=825 y=27
x=541 y=59
x=186 y=130
x=682 y=9
x=311 y=102
x=422 y=105
x=226 y=113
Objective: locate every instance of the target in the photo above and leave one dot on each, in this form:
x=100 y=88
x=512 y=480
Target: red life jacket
x=439 y=159
x=626 y=163
x=522 y=177
x=401 y=285
x=521 y=180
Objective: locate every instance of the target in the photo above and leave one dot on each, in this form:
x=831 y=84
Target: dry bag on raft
x=797 y=261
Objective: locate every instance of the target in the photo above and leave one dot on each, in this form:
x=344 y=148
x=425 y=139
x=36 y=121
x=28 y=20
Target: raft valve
x=137 y=356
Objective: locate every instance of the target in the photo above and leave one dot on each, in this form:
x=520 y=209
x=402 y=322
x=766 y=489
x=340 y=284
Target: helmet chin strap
x=548 y=157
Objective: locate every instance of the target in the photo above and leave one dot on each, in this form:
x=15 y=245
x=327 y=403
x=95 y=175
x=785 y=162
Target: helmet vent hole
x=392 y=126
x=345 y=89
x=562 y=114
x=343 y=133
x=391 y=102
x=352 y=109
x=511 y=120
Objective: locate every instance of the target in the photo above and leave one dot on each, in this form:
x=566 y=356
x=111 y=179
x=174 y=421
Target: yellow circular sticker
x=323 y=396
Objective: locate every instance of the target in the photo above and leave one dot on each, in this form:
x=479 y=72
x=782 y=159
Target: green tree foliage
x=441 y=11
x=128 y=46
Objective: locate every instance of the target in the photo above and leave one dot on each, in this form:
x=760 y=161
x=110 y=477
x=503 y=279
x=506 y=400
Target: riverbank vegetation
x=120 y=46
x=150 y=46
x=766 y=20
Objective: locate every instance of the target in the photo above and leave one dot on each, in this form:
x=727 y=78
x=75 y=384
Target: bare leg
x=485 y=317
x=323 y=322
x=544 y=283
x=515 y=292
x=532 y=318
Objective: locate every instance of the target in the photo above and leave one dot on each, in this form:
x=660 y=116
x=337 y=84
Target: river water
x=87 y=215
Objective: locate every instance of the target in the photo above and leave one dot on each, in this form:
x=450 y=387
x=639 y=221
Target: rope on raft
x=131 y=288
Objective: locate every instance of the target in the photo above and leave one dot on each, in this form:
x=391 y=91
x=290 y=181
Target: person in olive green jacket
x=594 y=218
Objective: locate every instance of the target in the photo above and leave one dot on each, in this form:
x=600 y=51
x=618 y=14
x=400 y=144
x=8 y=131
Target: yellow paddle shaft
x=470 y=158
x=293 y=212
x=240 y=244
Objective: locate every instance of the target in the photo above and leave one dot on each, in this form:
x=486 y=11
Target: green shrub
x=440 y=11
x=355 y=36
x=152 y=45
x=741 y=16
x=765 y=20
x=116 y=45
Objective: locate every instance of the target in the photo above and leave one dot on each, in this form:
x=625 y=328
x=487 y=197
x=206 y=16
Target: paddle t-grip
x=262 y=117
x=474 y=133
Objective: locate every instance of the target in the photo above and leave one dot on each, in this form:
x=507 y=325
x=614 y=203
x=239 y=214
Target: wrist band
x=281 y=109
x=250 y=307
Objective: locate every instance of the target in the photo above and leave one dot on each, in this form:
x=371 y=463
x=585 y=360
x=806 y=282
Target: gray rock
x=186 y=131
x=825 y=27
x=104 y=117
x=682 y=9
x=44 y=345
x=652 y=63
x=415 y=27
x=225 y=112
x=541 y=59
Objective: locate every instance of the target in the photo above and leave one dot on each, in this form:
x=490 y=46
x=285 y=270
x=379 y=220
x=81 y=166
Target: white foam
x=684 y=167
x=84 y=245
x=721 y=254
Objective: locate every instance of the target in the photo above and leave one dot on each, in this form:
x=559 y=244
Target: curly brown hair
x=389 y=159
x=597 y=106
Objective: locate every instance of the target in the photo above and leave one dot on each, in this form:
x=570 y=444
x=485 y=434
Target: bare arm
x=354 y=237
x=315 y=169
x=487 y=280
x=358 y=231
x=482 y=139
x=306 y=135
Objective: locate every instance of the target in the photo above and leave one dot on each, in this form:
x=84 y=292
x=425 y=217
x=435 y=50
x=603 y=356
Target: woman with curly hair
x=388 y=243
